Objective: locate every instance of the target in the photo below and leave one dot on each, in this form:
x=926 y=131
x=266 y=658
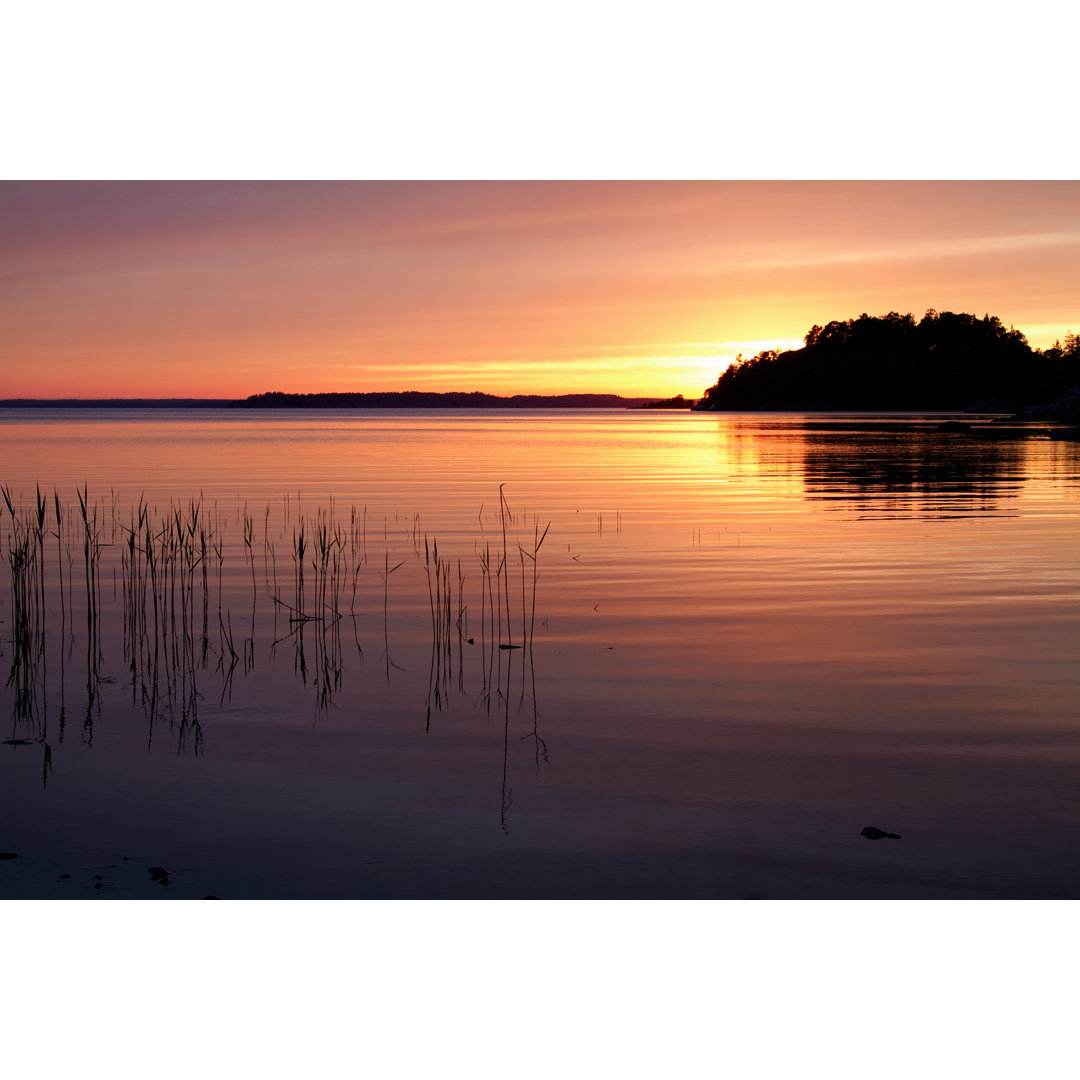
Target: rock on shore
x=1064 y=409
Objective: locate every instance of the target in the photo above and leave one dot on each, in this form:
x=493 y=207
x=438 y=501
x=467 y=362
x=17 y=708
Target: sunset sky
x=162 y=289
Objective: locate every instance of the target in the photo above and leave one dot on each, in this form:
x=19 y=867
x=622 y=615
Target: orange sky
x=158 y=289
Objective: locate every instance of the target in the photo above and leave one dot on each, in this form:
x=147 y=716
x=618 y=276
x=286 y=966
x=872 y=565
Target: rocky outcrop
x=1064 y=409
x=871 y=832
x=1065 y=434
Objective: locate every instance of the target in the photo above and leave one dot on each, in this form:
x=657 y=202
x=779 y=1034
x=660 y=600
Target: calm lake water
x=737 y=641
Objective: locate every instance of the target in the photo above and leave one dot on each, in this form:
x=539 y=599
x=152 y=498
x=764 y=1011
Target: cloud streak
x=952 y=249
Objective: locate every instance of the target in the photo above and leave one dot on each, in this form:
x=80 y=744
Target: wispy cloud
x=954 y=247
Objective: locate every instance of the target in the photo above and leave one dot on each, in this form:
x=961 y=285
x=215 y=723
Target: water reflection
x=719 y=654
x=168 y=570
x=910 y=471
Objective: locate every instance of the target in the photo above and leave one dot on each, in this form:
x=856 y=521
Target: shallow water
x=751 y=636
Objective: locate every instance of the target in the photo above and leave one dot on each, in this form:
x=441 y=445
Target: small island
x=942 y=362
x=676 y=402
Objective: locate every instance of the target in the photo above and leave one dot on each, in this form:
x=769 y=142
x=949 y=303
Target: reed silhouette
x=170 y=566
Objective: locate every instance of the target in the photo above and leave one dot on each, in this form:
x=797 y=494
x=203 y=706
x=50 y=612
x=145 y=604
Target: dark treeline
x=943 y=361
x=418 y=399
x=676 y=402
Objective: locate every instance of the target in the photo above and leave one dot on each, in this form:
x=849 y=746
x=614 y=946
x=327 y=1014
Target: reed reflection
x=526 y=708
x=165 y=615
x=27 y=680
x=170 y=568
x=507 y=623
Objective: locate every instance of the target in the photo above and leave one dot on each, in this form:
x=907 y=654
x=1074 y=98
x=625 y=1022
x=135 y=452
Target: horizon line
x=356 y=393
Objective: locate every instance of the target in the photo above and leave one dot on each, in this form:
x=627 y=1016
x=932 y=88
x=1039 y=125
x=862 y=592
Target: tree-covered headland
x=943 y=361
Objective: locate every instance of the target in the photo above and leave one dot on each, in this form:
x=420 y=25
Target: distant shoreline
x=409 y=399
x=117 y=403
x=422 y=399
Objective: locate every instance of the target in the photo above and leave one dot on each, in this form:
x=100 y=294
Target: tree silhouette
x=945 y=360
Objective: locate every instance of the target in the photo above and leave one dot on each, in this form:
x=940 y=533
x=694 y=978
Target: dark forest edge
x=943 y=362
x=676 y=402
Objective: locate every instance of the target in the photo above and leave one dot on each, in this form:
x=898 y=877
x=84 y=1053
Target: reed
x=299 y=549
x=534 y=556
x=163 y=565
x=18 y=558
x=249 y=541
x=40 y=506
x=387 y=571
x=268 y=549
x=504 y=514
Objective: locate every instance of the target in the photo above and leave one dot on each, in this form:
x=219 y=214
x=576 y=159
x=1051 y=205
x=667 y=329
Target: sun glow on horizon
x=641 y=289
